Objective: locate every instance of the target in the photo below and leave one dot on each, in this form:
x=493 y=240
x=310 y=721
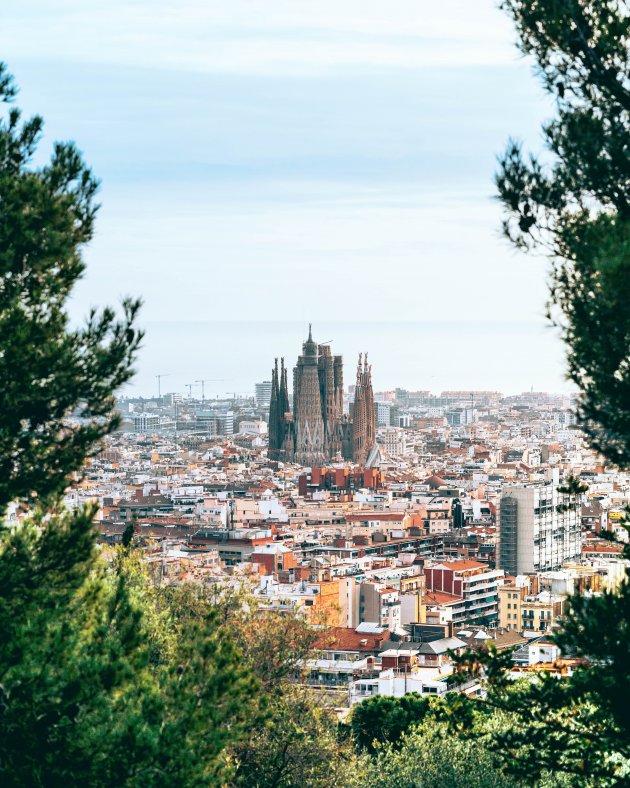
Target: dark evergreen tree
x=56 y=382
x=574 y=204
x=100 y=683
x=575 y=207
x=383 y=720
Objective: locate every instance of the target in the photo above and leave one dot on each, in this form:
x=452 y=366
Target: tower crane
x=159 y=380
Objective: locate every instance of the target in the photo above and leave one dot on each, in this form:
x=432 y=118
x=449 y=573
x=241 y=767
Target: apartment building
x=146 y=422
x=471 y=581
x=539 y=527
x=380 y=604
x=522 y=610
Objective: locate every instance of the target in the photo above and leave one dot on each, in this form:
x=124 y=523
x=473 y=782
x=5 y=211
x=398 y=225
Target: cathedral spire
x=274 y=413
x=283 y=390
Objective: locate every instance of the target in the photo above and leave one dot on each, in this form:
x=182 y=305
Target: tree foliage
x=574 y=203
x=574 y=206
x=56 y=397
x=298 y=745
x=101 y=682
x=432 y=756
x=576 y=727
x=89 y=695
x=382 y=719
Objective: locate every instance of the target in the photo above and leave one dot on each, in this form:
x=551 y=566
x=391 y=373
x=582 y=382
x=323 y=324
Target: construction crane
x=189 y=387
x=208 y=380
x=159 y=380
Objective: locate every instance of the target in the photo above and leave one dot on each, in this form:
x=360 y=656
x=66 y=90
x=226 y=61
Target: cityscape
x=415 y=524
x=315 y=394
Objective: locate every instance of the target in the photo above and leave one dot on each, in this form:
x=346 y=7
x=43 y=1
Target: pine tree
x=575 y=207
x=100 y=683
x=57 y=382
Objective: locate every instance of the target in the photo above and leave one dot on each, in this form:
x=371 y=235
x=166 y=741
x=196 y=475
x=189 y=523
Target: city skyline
x=509 y=357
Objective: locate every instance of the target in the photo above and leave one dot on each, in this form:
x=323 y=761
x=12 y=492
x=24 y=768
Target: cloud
x=273 y=37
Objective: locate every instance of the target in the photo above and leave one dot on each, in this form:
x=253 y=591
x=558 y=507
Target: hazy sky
x=302 y=159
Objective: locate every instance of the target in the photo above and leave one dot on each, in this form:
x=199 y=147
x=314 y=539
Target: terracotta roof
x=441 y=598
x=347 y=639
x=599 y=547
x=435 y=481
x=459 y=566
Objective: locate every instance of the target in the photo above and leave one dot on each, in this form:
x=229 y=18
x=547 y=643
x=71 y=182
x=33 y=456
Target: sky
x=329 y=160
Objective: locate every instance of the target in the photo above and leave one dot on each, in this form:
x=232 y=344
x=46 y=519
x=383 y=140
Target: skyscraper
x=318 y=431
x=263 y=394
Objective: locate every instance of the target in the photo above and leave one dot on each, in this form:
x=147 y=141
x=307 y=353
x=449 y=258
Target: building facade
x=146 y=422
x=474 y=589
x=317 y=430
x=263 y=393
x=539 y=527
x=522 y=610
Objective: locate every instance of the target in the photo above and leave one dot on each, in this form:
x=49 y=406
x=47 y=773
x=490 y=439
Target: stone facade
x=317 y=431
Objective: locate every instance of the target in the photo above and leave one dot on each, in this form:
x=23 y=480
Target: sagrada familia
x=317 y=431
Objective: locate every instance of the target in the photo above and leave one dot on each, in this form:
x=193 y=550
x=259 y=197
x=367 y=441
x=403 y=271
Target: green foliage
x=576 y=728
x=56 y=397
x=382 y=720
x=298 y=745
x=128 y=534
x=432 y=756
x=575 y=205
x=102 y=681
x=86 y=698
x=293 y=739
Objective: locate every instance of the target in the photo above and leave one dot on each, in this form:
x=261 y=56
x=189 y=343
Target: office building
x=263 y=394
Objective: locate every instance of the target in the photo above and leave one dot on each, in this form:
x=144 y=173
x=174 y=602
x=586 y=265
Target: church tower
x=307 y=406
x=280 y=420
x=274 y=415
x=364 y=418
x=317 y=431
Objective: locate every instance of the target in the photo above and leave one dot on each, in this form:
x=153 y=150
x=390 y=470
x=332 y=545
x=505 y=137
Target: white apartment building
x=393 y=440
x=252 y=428
x=539 y=527
x=382 y=413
